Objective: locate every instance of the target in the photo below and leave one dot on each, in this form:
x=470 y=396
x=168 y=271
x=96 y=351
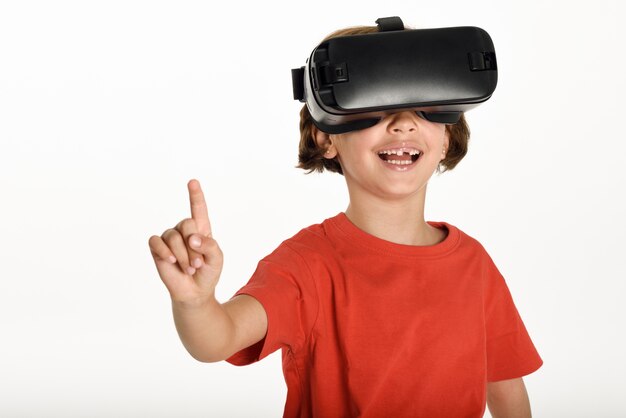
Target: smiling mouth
x=405 y=158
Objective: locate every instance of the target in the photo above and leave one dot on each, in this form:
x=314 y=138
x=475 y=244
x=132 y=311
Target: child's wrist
x=199 y=302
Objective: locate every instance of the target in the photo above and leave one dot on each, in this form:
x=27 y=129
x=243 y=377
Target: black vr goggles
x=352 y=82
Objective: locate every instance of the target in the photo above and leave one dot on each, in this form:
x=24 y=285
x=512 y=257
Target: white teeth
x=399 y=162
x=400 y=151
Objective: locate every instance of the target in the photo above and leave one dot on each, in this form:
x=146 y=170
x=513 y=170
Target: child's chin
x=402 y=191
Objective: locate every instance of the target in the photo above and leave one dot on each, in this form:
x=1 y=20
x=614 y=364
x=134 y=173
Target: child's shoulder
x=312 y=238
x=467 y=241
x=476 y=249
x=310 y=245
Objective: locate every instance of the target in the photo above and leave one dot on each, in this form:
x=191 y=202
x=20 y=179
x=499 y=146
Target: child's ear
x=322 y=139
x=324 y=142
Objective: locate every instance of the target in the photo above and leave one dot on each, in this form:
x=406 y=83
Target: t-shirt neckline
x=355 y=235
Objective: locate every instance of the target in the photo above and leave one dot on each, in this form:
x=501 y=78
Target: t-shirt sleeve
x=283 y=284
x=510 y=350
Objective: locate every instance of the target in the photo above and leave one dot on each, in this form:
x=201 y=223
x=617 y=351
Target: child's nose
x=405 y=121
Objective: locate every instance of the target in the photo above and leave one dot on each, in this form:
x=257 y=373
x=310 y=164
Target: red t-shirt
x=371 y=328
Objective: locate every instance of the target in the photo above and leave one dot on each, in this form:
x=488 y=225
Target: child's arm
x=210 y=331
x=508 y=399
x=213 y=332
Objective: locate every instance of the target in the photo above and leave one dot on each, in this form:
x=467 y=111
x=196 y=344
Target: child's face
x=364 y=169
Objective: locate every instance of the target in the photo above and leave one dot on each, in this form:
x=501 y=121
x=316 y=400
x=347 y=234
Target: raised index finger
x=199 y=211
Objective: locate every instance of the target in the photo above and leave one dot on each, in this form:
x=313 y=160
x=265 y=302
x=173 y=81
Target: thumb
x=208 y=247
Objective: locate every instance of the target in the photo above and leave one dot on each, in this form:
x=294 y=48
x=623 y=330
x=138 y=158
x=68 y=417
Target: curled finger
x=160 y=250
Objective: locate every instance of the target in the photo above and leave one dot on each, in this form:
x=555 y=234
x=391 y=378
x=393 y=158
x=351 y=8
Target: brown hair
x=311 y=156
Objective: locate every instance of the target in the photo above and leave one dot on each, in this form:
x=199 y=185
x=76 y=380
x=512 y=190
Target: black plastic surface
x=409 y=68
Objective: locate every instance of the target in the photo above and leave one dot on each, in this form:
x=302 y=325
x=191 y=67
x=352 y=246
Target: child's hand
x=174 y=254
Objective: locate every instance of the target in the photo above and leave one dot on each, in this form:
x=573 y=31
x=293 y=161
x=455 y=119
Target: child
x=377 y=312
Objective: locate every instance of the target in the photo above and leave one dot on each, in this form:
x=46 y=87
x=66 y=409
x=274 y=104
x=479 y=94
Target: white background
x=108 y=109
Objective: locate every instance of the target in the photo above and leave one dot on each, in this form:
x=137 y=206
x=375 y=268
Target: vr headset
x=352 y=82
